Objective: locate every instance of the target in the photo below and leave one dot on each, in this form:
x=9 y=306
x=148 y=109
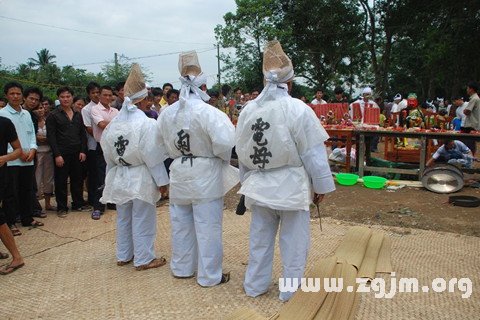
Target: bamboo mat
x=70 y=273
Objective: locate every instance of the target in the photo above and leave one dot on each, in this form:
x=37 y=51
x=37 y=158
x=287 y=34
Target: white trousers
x=294 y=244
x=197 y=241
x=136 y=231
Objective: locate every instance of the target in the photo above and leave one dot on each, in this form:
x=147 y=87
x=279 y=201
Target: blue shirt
x=457 y=152
x=457 y=124
x=26 y=132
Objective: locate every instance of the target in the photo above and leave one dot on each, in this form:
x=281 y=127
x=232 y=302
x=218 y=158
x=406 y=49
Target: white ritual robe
x=282 y=156
x=135 y=170
x=200 y=139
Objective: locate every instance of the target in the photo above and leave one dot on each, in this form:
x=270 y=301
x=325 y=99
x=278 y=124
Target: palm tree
x=44 y=58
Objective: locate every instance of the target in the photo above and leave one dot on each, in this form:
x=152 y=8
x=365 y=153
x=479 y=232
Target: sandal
x=4 y=255
x=96 y=215
x=123 y=263
x=9 y=269
x=40 y=214
x=225 y=278
x=36 y=223
x=155 y=263
x=15 y=231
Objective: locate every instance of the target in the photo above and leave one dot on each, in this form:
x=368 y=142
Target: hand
x=30 y=156
x=317 y=198
x=82 y=157
x=2 y=161
x=23 y=156
x=163 y=189
x=59 y=161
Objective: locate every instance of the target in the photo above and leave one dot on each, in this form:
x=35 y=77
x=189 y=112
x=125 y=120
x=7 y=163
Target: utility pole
x=115 y=58
x=218 y=66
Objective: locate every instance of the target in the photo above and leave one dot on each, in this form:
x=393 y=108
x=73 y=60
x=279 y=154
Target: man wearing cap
x=398 y=105
x=135 y=174
x=365 y=100
x=283 y=162
x=200 y=139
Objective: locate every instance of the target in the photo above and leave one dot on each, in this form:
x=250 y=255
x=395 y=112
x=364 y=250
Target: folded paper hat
x=276 y=65
x=188 y=64
x=135 y=87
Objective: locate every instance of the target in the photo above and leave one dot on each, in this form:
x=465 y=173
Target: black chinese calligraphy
x=120 y=146
x=123 y=162
x=183 y=145
x=260 y=155
x=259 y=127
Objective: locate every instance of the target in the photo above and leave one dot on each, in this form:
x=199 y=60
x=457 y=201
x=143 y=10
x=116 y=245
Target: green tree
x=246 y=31
x=436 y=52
x=44 y=58
x=324 y=40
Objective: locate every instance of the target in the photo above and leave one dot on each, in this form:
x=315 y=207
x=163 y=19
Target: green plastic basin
x=374 y=182
x=347 y=179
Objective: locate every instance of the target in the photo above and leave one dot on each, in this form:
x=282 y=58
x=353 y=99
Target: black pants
x=471 y=144
x=18 y=194
x=72 y=168
x=101 y=168
x=92 y=176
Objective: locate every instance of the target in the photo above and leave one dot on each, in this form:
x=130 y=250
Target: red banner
x=338 y=109
x=372 y=115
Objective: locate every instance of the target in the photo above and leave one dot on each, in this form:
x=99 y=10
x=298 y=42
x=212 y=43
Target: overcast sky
x=159 y=26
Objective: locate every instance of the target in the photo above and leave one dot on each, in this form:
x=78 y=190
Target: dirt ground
x=407 y=207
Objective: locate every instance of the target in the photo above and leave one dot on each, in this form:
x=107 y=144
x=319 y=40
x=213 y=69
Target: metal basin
x=443 y=178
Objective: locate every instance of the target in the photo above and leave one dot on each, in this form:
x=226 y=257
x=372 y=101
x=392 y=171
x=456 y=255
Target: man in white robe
x=365 y=100
x=281 y=151
x=200 y=139
x=398 y=105
x=135 y=174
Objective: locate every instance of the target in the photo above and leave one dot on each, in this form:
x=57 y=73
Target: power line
x=137 y=58
x=97 y=33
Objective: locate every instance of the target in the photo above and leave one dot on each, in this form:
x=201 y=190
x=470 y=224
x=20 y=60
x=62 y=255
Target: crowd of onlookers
x=60 y=140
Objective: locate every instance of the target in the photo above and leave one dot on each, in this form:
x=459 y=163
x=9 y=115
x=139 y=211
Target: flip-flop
x=4 y=255
x=9 y=269
x=15 y=231
x=155 y=263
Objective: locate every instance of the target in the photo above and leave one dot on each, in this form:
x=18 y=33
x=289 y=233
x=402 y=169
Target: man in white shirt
x=93 y=92
x=318 y=97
